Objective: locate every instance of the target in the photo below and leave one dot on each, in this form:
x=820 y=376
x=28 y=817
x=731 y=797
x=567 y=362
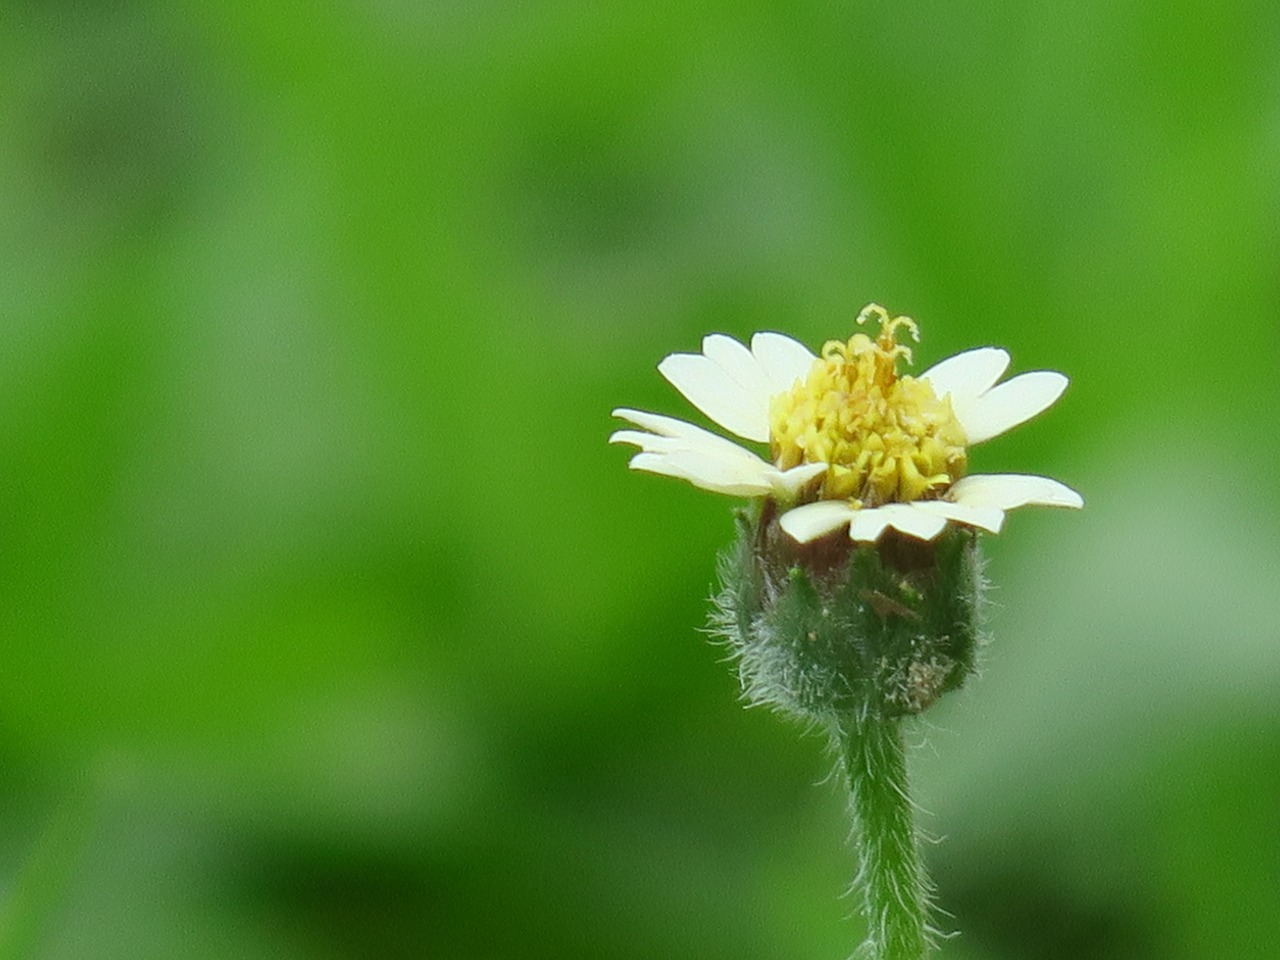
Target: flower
x=851 y=442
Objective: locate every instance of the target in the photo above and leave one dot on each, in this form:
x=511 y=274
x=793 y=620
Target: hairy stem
x=890 y=874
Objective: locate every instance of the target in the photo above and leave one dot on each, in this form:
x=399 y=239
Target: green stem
x=890 y=875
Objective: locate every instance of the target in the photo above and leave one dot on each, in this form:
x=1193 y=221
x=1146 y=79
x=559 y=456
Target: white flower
x=852 y=444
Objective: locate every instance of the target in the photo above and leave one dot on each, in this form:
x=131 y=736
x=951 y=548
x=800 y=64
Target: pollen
x=886 y=438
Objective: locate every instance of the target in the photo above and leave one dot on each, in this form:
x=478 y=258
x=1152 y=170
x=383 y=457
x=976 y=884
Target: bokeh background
x=332 y=628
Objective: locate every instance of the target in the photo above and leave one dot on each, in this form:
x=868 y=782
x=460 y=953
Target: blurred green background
x=333 y=629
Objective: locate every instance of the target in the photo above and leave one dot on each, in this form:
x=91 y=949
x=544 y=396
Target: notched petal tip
x=649 y=463
x=916 y=523
x=870 y=523
x=1011 y=404
x=807 y=523
x=783 y=359
x=968 y=375
x=657 y=423
x=725 y=400
x=986 y=518
x=787 y=484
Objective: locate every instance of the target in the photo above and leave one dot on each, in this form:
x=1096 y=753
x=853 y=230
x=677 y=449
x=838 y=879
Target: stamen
x=872 y=310
x=888 y=328
x=885 y=438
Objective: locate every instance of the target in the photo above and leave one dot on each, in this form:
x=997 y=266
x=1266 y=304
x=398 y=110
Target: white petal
x=659 y=464
x=789 y=483
x=648 y=442
x=739 y=363
x=689 y=435
x=967 y=375
x=916 y=523
x=706 y=385
x=655 y=443
x=717 y=474
x=871 y=522
x=652 y=443
x=1013 y=402
x=741 y=477
x=671 y=436
x=814 y=520
x=1005 y=491
x=986 y=517
x=784 y=360
x=666 y=426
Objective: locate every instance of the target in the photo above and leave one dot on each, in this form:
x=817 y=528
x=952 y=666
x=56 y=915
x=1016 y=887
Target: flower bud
x=835 y=629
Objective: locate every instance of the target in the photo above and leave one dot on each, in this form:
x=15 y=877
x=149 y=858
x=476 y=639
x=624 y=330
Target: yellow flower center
x=886 y=438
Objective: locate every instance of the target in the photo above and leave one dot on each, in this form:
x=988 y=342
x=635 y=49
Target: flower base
x=832 y=630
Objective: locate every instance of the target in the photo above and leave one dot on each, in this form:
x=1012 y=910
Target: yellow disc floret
x=886 y=438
